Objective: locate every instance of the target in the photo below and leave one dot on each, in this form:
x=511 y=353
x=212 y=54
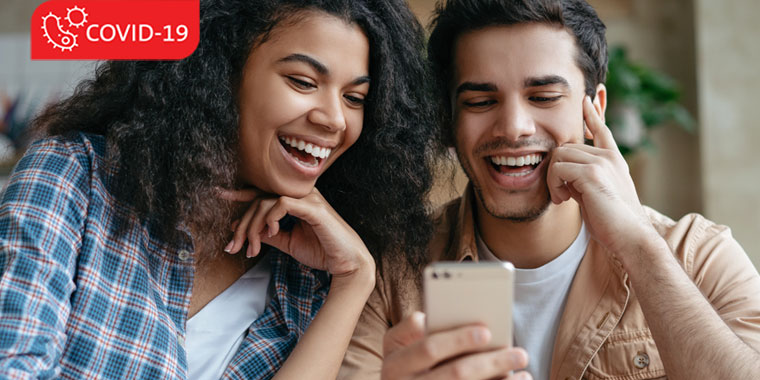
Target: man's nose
x=515 y=121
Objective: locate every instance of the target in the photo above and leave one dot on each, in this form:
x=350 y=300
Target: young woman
x=114 y=228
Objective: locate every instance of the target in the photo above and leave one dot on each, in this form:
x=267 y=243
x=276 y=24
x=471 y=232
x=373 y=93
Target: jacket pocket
x=627 y=356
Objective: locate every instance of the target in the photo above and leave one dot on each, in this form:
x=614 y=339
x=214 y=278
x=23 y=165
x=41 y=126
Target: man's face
x=517 y=92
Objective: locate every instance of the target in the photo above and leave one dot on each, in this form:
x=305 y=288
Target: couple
x=118 y=260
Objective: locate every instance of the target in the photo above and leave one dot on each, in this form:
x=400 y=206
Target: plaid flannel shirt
x=78 y=300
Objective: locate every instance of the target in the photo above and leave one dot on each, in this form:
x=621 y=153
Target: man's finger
x=410 y=330
x=602 y=135
x=439 y=347
x=484 y=365
x=564 y=178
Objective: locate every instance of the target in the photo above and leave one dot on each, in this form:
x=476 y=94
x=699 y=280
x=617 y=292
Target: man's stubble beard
x=519 y=216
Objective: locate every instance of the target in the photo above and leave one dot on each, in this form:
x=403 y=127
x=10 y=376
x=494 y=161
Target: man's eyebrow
x=545 y=81
x=473 y=86
x=318 y=66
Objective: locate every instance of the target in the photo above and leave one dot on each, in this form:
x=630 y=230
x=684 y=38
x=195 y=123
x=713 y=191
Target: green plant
x=640 y=99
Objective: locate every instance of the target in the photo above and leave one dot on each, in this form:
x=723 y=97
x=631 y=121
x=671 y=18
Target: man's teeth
x=314 y=150
x=530 y=159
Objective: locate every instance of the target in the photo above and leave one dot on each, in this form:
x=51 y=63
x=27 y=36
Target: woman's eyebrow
x=316 y=65
x=361 y=80
x=319 y=66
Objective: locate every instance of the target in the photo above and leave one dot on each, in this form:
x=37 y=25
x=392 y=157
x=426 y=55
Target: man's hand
x=597 y=177
x=454 y=354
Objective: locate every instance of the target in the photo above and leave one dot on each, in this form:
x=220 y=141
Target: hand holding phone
x=409 y=353
x=458 y=294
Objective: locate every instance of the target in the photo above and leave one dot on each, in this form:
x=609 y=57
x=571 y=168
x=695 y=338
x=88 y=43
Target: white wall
x=37 y=81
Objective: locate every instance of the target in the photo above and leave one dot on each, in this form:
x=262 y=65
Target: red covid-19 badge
x=115 y=29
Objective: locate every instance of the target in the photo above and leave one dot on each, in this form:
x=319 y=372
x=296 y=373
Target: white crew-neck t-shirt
x=540 y=296
x=214 y=334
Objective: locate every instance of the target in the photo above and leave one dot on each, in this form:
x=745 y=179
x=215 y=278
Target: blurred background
x=684 y=87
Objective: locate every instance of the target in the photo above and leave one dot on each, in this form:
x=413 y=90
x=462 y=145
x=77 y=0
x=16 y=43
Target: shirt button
x=184 y=255
x=641 y=360
x=181 y=340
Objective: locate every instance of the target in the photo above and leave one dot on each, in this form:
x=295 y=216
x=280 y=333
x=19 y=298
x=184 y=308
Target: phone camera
x=446 y=275
x=435 y=275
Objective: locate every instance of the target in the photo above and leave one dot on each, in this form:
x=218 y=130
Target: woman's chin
x=291 y=189
x=294 y=190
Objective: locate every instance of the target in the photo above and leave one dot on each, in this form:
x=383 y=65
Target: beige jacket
x=602 y=333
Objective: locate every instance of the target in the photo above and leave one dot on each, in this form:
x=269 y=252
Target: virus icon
x=79 y=14
x=56 y=35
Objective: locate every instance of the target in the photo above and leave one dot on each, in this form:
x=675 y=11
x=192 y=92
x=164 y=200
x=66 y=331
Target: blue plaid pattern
x=78 y=300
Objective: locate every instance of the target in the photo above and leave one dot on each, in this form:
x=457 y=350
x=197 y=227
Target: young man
x=606 y=288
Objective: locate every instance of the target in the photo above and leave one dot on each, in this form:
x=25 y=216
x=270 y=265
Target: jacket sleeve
x=725 y=275
x=42 y=214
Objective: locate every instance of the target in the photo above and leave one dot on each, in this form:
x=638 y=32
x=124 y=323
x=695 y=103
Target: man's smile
x=516 y=166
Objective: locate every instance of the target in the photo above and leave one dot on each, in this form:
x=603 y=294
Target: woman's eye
x=354 y=100
x=302 y=84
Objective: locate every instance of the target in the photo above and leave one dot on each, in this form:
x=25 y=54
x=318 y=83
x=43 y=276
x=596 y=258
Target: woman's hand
x=321 y=239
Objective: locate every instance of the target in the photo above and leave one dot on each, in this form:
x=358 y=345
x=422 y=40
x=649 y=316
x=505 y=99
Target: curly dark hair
x=452 y=18
x=172 y=126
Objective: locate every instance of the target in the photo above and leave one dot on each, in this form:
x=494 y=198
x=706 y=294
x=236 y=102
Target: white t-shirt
x=215 y=333
x=540 y=296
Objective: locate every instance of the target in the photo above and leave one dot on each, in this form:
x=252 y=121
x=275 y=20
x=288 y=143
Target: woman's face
x=301 y=102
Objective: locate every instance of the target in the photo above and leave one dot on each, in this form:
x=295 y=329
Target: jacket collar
x=463 y=246
x=595 y=304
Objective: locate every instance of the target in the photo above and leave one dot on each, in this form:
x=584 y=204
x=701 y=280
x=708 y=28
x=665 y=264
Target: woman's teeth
x=314 y=150
x=530 y=159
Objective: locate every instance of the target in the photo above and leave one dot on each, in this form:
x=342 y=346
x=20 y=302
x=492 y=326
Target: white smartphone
x=458 y=294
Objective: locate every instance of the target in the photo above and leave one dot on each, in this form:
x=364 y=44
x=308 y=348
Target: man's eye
x=301 y=83
x=545 y=99
x=481 y=104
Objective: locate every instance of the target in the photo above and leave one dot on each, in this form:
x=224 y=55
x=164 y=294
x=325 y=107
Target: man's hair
x=453 y=18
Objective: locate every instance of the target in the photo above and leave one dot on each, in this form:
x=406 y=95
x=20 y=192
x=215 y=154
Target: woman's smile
x=306 y=157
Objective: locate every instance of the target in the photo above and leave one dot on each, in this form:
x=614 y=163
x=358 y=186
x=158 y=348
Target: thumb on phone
x=407 y=332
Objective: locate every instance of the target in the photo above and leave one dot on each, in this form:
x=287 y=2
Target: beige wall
x=660 y=34
x=728 y=58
